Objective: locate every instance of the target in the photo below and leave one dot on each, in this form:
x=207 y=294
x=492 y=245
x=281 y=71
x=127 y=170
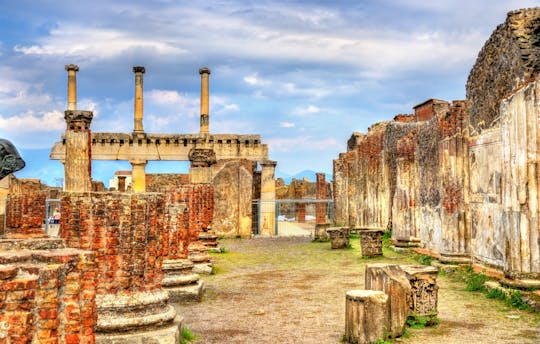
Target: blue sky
x=302 y=74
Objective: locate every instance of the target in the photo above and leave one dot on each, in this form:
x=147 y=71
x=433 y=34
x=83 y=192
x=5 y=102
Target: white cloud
x=302 y=144
x=170 y=98
x=84 y=42
x=305 y=111
x=31 y=122
x=286 y=124
x=254 y=80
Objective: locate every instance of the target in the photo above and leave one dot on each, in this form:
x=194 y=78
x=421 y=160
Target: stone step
x=31 y=244
x=186 y=293
x=180 y=280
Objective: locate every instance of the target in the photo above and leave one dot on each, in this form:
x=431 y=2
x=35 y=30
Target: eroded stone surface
x=366 y=315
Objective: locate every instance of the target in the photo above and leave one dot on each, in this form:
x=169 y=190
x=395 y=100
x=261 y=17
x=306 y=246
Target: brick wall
x=25 y=213
x=188 y=210
x=163 y=182
x=47 y=297
x=126 y=233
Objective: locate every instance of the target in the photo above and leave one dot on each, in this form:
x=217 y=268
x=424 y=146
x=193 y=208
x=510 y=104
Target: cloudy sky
x=302 y=74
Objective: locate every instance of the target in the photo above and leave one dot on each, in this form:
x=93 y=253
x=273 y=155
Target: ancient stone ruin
x=459 y=179
x=237 y=166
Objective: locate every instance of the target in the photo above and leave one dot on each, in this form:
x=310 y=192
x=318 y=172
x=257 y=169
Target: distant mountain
x=309 y=174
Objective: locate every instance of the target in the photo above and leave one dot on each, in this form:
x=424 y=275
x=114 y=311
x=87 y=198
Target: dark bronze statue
x=10 y=160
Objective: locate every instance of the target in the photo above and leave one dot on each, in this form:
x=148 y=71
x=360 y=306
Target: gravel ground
x=290 y=290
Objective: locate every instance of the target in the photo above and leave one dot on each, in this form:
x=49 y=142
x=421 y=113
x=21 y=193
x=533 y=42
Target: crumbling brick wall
x=163 y=182
x=126 y=233
x=25 y=213
x=510 y=57
x=47 y=296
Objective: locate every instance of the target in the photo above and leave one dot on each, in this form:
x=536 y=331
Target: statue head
x=10 y=160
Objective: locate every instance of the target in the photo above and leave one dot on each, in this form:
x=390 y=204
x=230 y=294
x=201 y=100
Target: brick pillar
x=268 y=198
x=78 y=164
x=321 y=194
x=126 y=233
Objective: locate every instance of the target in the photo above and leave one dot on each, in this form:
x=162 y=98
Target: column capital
x=268 y=163
x=138 y=161
x=201 y=157
x=78 y=120
x=139 y=69
x=204 y=70
x=71 y=67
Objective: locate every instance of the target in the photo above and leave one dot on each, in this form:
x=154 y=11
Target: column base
x=455 y=258
x=169 y=334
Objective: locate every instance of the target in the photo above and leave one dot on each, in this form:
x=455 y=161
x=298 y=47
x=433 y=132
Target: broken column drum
x=366 y=315
x=393 y=282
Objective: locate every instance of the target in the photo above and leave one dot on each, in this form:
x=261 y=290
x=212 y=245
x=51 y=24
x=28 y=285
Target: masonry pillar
x=138 y=115
x=201 y=160
x=321 y=194
x=267 y=214
x=78 y=163
x=205 y=115
x=72 y=86
x=138 y=175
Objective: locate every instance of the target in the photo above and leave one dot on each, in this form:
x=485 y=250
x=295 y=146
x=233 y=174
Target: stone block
x=366 y=316
x=339 y=237
x=391 y=279
x=320 y=233
x=424 y=289
x=371 y=242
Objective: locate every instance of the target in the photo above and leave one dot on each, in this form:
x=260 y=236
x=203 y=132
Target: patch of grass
x=387 y=239
x=186 y=336
x=382 y=341
x=497 y=294
x=474 y=281
x=424 y=259
x=419 y=321
x=515 y=300
x=222 y=250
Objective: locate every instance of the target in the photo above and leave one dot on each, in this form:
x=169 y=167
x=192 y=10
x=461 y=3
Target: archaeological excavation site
x=428 y=232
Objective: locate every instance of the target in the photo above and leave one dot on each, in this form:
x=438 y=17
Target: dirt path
x=289 y=290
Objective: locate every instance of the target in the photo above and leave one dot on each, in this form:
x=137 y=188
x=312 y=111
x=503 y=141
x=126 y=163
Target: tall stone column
x=138 y=176
x=72 y=86
x=267 y=214
x=205 y=112
x=138 y=114
x=78 y=163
